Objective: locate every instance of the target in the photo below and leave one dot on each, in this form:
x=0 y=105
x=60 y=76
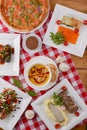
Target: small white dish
x=29 y=114
x=81 y=43
x=39 y=107
x=11 y=68
x=32 y=51
x=36 y=60
x=10 y=121
x=63 y=67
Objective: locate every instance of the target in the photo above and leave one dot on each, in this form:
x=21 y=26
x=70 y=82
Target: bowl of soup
x=37 y=75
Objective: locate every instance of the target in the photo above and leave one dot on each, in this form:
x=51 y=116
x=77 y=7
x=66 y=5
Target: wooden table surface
x=80 y=62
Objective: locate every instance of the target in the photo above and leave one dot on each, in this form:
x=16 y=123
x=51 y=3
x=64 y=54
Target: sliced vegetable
x=57 y=126
x=66 y=43
x=64 y=88
x=58 y=22
x=77 y=113
x=85 y=22
x=76 y=30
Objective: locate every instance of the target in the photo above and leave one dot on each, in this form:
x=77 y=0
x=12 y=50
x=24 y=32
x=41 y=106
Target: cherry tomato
x=57 y=126
x=76 y=30
x=85 y=22
x=5 y=90
x=58 y=22
x=65 y=43
x=77 y=113
x=15 y=100
x=8 y=101
x=64 y=88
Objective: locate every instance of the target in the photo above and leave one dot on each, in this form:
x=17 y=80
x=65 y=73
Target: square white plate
x=11 y=68
x=76 y=49
x=39 y=107
x=10 y=121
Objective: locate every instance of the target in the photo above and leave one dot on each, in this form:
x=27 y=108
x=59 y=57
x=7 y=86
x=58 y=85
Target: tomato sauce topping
x=38 y=74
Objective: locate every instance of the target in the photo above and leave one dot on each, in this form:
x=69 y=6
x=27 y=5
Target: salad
x=8 y=101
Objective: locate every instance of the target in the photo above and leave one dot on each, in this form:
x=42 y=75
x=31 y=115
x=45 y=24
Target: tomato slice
x=57 y=126
x=85 y=22
x=58 y=22
x=77 y=113
x=76 y=30
x=8 y=101
x=64 y=88
x=65 y=43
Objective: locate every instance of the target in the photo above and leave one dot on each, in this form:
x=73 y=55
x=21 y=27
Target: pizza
x=24 y=15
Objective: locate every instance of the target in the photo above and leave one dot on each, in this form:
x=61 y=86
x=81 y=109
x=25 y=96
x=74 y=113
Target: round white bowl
x=28 y=80
x=42 y=60
x=34 y=50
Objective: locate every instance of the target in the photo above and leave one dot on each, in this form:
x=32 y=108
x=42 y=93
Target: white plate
x=10 y=121
x=39 y=107
x=76 y=49
x=11 y=68
x=39 y=59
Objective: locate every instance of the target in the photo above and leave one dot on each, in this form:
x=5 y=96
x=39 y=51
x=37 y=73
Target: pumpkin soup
x=39 y=74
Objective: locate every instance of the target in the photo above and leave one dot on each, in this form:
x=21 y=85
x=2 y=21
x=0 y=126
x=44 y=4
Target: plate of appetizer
x=67 y=30
x=9 y=54
x=61 y=107
x=24 y=16
x=13 y=102
x=41 y=73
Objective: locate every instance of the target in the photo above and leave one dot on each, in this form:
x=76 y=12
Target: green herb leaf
x=32 y=93
x=57 y=38
x=57 y=99
x=17 y=83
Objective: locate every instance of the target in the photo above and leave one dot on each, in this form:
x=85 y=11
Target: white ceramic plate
x=39 y=107
x=76 y=49
x=11 y=68
x=39 y=59
x=10 y=121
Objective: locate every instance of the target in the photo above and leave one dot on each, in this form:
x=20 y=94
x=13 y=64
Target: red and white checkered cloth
x=71 y=75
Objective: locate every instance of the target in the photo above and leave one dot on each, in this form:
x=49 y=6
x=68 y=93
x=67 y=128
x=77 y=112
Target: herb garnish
x=57 y=38
x=32 y=93
x=19 y=85
x=57 y=99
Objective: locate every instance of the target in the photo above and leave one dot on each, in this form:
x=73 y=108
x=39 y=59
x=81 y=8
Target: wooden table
x=80 y=63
